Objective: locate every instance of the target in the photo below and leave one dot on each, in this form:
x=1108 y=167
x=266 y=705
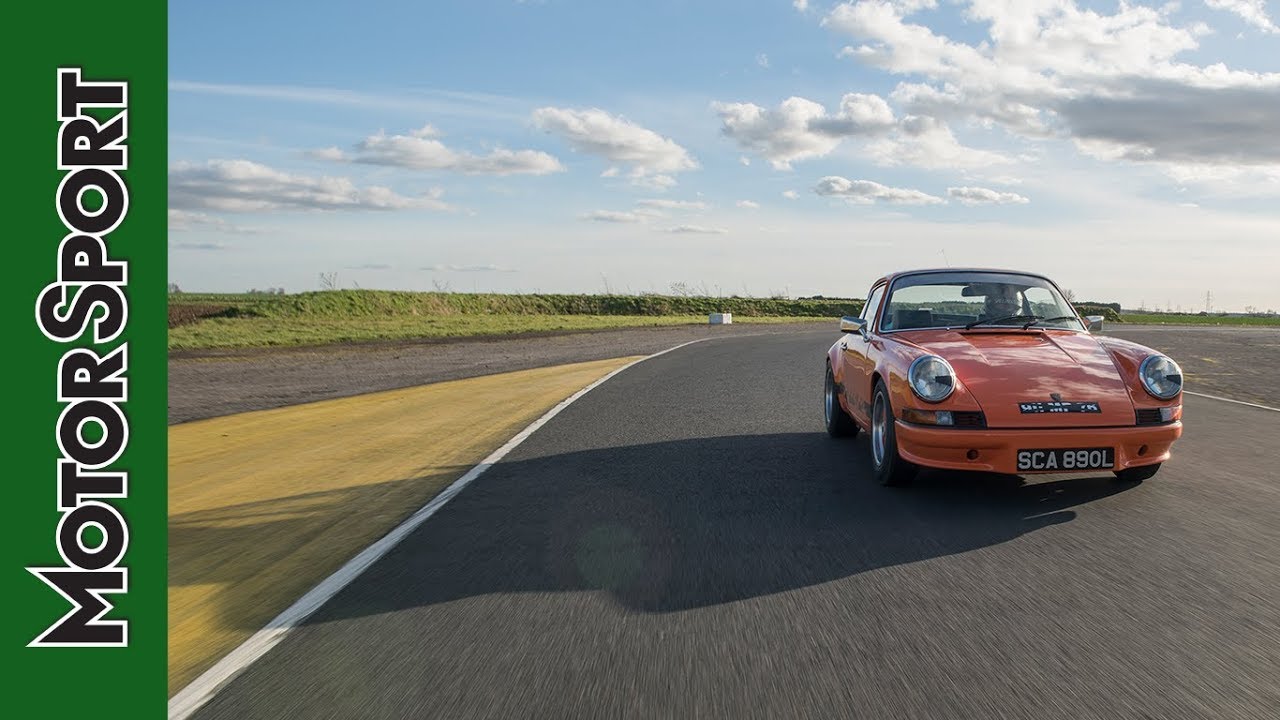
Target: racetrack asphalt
x=685 y=541
x=212 y=383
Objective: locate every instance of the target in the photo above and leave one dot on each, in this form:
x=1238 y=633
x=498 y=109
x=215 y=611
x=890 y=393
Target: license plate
x=1058 y=406
x=1066 y=459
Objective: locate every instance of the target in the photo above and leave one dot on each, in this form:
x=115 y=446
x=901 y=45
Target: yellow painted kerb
x=264 y=505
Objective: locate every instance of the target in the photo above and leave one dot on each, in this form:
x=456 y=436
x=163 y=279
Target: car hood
x=1005 y=370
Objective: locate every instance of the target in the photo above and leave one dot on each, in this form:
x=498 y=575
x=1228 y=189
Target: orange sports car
x=967 y=369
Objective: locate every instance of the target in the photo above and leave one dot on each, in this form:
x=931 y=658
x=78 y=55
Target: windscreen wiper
x=975 y=323
x=1037 y=321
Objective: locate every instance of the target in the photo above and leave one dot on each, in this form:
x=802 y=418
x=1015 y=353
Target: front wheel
x=888 y=466
x=1137 y=474
x=839 y=424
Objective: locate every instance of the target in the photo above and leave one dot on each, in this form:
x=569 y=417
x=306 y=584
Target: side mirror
x=853 y=325
x=1095 y=322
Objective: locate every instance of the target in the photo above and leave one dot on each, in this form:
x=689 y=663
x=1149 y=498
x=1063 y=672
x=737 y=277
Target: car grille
x=1148 y=416
x=969 y=418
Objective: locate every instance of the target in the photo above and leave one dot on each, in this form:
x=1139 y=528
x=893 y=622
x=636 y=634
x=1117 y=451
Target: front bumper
x=997 y=450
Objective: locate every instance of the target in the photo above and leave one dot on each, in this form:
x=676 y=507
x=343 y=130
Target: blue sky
x=1130 y=151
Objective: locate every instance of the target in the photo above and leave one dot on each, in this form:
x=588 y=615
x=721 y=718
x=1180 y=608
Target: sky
x=1130 y=151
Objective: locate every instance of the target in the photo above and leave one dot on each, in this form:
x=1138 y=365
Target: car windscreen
x=957 y=299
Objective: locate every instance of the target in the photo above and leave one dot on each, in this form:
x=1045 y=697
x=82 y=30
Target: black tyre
x=839 y=424
x=1137 y=474
x=888 y=466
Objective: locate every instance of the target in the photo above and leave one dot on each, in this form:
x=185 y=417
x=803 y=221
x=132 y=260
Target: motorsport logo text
x=86 y=308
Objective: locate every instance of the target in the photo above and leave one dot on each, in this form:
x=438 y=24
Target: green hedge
x=1108 y=312
x=1092 y=303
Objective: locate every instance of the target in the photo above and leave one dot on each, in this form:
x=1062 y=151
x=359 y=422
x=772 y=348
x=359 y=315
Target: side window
x=873 y=304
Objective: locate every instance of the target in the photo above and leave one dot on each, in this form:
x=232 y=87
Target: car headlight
x=931 y=378
x=1161 y=376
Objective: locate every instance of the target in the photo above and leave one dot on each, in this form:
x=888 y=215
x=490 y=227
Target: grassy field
x=208 y=321
x=1176 y=319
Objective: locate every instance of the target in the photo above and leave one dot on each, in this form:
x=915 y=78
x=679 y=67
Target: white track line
x=1237 y=402
x=203 y=688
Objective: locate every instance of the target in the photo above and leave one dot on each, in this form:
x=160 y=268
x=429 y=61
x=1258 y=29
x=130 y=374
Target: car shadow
x=672 y=526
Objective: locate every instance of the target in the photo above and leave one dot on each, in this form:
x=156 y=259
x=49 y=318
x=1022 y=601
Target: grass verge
x=250 y=332
x=1231 y=320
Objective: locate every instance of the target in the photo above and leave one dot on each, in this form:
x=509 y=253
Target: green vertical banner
x=85 y=327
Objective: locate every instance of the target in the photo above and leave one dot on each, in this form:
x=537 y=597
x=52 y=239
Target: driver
x=1001 y=302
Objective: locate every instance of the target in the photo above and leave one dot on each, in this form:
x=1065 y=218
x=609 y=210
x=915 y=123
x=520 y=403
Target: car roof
x=902 y=273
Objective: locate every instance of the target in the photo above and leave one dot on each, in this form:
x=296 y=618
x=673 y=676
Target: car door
x=859 y=362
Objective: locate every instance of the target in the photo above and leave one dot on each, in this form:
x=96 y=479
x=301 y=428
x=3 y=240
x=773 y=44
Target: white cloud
x=1002 y=179
x=613 y=216
x=659 y=183
x=762 y=60
x=652 y=158
x=1257 y=181
x=1253 y=12
x=859 y=114
x=799 y=129
x=332 y=153
x=748 y=205
x=1051 y=68
x=926 y=142
x=645 y=210
x=865 y=192
x=206 y=246
x=1034 y=45
x=183 y=220
x=694 y=230
x=246 y=186
x=790 y=194
x=468 y=268
x=985 y=196
x=986 y=107
x=800 y=5
x=663 y=204
x=421 y=150
x=435 y=103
